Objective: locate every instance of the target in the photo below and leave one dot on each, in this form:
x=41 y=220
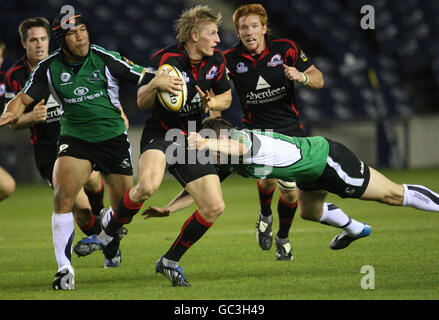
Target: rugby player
x=204 y=70
x=83 y=78
x=319 y=166
x=264 y=69
x=43 y=121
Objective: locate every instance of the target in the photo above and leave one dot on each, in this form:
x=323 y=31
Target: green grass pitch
x=227 y=263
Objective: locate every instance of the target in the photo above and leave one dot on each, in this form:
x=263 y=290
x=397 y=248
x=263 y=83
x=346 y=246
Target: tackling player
x=203 y=68
x=83 y=78
x=317 y=164
x=264 y=69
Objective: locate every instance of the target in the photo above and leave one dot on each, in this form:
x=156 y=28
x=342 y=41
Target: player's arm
x=227 y=146
x=15 y=108
x=148 y=90
x=315 y=78
x=180 y=202
x=37 y=115
x=213 y=102
x=311 y=77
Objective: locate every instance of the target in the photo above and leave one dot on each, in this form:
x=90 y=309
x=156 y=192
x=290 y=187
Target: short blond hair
x=250 y=9
x=192 y=20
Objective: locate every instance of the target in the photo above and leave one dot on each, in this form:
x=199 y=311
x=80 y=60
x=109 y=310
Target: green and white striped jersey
x=89 y=98
x=277 y=156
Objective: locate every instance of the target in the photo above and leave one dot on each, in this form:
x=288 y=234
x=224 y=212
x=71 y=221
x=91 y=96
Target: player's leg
x=113 y=159
x=314 y=208
x=207 y=194
x=203 y=184
x=94 y=189
x=383 y=190
x=286 y=208
x=264 y=225
x=69 y=175
x=85 y=219
x=151 y=170
x=7 y=184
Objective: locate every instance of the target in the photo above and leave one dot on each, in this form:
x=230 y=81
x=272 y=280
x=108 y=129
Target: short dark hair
x=33 y=22
x=216 y=124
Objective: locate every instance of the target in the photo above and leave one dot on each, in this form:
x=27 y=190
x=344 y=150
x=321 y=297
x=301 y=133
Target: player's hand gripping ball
x=169 y=100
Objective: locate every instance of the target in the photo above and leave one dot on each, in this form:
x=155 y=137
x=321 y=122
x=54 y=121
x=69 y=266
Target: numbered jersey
x=274 y=155
x=89 y=96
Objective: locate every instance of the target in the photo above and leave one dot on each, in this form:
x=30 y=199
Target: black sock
x=193 y=229
x=286 y=216
x=265 y=198
x=93 y=227
x=96 y=200
x=123 y=214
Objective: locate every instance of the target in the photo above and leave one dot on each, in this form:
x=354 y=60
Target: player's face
x=208 y=39
x=251 y=32
x=36 y=44
x=77 y=40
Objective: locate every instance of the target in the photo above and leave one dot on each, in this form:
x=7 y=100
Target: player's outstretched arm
x=222 y=145
x=15 y=108
x=180 y=202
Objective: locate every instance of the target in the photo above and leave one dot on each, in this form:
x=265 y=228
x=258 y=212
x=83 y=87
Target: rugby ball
x=168 y=100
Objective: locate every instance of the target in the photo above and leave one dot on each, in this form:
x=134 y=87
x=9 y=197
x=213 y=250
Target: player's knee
x=144 y=190
x=7 y=189
x=308 y=214
x=289 y=196
x=267 y=184
x=63 y=199
x=213 y=210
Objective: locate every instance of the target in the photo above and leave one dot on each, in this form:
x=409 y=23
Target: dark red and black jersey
x=2 y=90
x=209 y=74
x=45 y=133
x=266 y=95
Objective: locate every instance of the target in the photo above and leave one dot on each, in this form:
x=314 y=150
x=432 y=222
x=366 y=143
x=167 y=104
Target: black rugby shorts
x=186 y=168
x=109 y=156
x=344 y=174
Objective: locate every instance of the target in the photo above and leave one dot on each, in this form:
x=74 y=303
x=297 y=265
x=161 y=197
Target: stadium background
x=381 y=85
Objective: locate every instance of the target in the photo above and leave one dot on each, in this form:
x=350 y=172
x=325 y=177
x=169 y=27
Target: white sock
x=106 y=217
x=63 y=231
x=104 y=238
x=335 y=217
x=420 y=197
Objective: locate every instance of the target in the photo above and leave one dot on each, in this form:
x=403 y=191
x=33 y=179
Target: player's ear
x=194 y=36
x=264 y=28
